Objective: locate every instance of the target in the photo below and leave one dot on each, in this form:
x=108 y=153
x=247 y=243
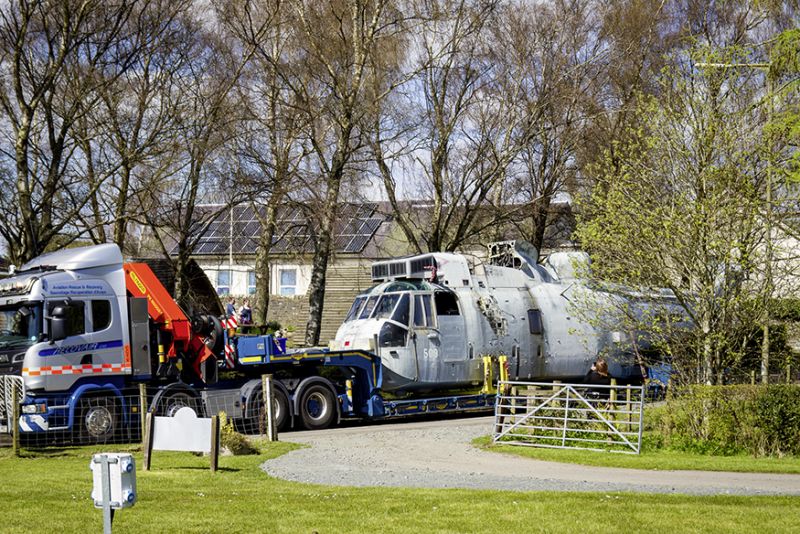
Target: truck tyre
x=97 y=421
x=282 y=415
x=317 y=407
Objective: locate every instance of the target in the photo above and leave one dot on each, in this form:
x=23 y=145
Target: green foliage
x=786 y=309
x=236 y=443
x=273 y=326
x=725 y=420
x=785 y=55
x=682 y=208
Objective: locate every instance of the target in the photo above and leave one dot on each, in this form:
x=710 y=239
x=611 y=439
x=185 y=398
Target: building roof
x=354 y=227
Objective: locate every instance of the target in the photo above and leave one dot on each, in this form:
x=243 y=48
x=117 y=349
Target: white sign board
x=183 y=432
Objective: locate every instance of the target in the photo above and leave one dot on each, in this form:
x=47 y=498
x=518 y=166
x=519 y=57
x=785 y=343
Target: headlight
x=34 y=408
x=18 y=358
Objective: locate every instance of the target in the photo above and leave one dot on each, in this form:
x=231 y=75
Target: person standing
x=246 y=313
x=598 y=375
x=230 y=309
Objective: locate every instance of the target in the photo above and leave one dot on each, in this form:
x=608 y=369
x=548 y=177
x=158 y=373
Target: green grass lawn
x=49 y=492
x=650 y=459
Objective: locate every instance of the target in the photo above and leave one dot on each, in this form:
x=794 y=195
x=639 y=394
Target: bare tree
x=200 y=168
x=555 y=46
x=135 y=120
x=339 y=42
x=272 y=147
x=462 y=139
x=55 y=56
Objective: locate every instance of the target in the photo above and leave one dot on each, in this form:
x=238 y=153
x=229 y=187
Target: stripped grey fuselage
x=432 y=318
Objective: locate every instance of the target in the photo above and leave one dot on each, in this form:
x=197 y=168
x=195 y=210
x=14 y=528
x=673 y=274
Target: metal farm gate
x=569 y=416
x=12 y=391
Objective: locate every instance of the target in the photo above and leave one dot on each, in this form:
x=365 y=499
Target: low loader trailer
x=84 y=330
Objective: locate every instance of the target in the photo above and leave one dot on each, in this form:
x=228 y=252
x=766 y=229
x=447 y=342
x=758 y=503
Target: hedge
x=760 y=420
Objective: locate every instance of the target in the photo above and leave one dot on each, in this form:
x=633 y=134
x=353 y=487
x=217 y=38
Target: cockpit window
x=368 y=307
x=355 y=308
x=384 y=308
x=422 y=310
x=402 y=285
x=21 y=323
x=401 y=311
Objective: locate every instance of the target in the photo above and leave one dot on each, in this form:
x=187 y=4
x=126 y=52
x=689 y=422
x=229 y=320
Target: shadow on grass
x=193 y=468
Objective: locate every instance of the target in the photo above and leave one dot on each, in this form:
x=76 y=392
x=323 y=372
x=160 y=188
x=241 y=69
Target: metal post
x=269 y=407
x=105 y=475
x=148 y=440
x=641 y=421
x=566 y=420
x=628 y=406
x=214 y=443
x=613 y=399
x=143 y=410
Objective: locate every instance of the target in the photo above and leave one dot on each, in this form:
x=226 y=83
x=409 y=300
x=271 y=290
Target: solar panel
x=355 y=225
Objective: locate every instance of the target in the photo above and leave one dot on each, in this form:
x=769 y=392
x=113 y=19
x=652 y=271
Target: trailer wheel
x=97 y=421
x=317 y=407
x=170 y=404
x=281 y=413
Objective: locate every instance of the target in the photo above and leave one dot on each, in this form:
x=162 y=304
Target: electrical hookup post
x=114 y=487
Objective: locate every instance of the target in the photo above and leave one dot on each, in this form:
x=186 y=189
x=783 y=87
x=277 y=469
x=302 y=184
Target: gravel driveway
x=438 y=454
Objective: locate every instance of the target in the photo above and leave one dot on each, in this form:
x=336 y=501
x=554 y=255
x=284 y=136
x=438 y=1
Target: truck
x=83 y=329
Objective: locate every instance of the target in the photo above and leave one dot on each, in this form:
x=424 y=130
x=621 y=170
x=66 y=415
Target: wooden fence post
x=268 y=392
x=143 y=410
x=14 y=420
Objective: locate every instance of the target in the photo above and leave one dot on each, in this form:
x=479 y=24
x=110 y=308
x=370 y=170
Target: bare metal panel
x=140 y=337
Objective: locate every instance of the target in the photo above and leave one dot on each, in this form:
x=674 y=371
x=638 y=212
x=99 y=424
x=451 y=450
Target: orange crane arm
x=140 y=281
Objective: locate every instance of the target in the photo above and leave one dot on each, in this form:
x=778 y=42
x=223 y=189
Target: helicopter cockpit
x=383 y=315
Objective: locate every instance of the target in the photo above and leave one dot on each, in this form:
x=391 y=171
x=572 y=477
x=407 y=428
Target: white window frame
x=251 y=289
x=282 y=287
x=224 y=290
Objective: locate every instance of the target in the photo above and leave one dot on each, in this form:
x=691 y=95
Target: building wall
x=241 y=277
x=347 y=276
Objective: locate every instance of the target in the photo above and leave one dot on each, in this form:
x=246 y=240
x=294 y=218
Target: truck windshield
x=20 y=324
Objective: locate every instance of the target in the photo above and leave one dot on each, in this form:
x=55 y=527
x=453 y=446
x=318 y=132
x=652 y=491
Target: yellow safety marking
x=135 y=279
x=250 y=359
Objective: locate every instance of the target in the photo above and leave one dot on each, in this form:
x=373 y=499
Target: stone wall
x=289 y=311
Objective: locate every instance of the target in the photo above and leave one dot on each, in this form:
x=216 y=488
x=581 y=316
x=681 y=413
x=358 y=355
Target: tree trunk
x=707 y=372
x=765 y=354
x=541 y=208
x=28 y=248
x=263 y=264
x=316 y=289
x=122 y=208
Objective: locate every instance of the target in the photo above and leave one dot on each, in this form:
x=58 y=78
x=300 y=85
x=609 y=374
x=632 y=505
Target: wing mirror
x=58 y=323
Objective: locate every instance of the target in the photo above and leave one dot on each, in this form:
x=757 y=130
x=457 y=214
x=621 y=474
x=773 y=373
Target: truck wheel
x=97 y=421
x=281 y=413
x=317 y=407
x=169 y=405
